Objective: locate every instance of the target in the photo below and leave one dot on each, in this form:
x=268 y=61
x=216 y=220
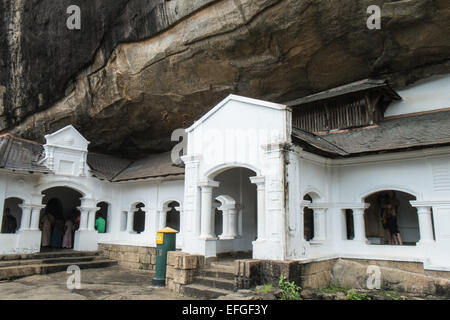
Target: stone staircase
x=215 y=280
x=23 y=265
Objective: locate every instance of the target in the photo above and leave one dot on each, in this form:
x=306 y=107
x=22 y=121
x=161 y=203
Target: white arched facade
x=256 y=147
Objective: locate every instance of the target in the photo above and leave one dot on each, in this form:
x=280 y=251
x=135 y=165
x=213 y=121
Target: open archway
x=60 y=218
x=235 y=184
x=391 y=219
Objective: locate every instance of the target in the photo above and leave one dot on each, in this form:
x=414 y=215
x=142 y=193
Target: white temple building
x=293 y=181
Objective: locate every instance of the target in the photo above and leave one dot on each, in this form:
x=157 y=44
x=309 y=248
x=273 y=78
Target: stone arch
x=314 y=193
x=372 y=191
x=83 y=190
x=390 y=218
x=216 y=170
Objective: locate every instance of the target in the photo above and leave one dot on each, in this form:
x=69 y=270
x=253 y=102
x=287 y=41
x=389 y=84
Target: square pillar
x=130 y=221
x=26 y=217
x=319 y=224
x=162 y=219
x=35 y=213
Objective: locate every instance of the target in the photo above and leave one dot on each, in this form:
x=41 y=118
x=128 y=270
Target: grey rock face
x=139 y=69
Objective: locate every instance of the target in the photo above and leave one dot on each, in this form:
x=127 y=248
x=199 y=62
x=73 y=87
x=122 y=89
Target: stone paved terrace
x=113 y=283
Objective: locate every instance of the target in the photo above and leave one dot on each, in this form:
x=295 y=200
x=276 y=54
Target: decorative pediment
x=66 y=151
x=67 y=137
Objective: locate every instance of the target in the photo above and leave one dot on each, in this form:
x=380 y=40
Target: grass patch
x=267 y=288
x=353 y=295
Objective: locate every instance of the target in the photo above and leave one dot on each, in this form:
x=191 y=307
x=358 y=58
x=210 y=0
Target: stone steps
x=48 y=255
x=204 y=292
x=212 y=282
x=24 y=262
x=217 y=273
x=216 y=283
x=50 y=262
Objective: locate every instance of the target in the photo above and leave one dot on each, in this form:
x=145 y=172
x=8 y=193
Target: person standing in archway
x=67 y=239
x=46 y=227
x=100 y=224
x=9 y=222
x=392 y=205
x=383 y=199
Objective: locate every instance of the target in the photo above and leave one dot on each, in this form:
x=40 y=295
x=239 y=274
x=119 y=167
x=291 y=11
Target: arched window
x=350 y=226
x=308 y=220
x=12 y=215
x=103 y=213
x=218 y=218
x=139 y=218
x=173 y=216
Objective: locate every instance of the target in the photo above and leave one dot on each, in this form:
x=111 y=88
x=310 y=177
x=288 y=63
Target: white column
x=84 y=212
x=26 y=217
x=130 y=221
x=261 y=217
x=319 y=224
x=91 y=218
x=230 y=230
x=207 y=231
x=359 y=225
x=425 y=224
x=35 y=213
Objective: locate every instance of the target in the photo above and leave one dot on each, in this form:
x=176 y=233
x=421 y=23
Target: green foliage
x=290 y=291
x=353 y=295
x=266 y=289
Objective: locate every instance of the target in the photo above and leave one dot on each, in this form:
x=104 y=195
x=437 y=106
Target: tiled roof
x=105 y=166
x=351 y=88
x=157 y=165
x=416 y=131
x=20 y=155
x=23 y=155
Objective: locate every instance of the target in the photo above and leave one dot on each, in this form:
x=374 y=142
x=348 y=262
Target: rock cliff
x=138 y=69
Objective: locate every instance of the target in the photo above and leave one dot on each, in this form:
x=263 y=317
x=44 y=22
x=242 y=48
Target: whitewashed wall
x=425 y=95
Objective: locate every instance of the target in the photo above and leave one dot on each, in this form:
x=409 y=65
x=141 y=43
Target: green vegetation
x=266 y=289
x=353 y=295
x=290 y=291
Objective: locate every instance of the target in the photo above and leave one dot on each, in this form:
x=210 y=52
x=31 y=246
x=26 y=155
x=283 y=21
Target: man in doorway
x=100 y=224
x=9 y=222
